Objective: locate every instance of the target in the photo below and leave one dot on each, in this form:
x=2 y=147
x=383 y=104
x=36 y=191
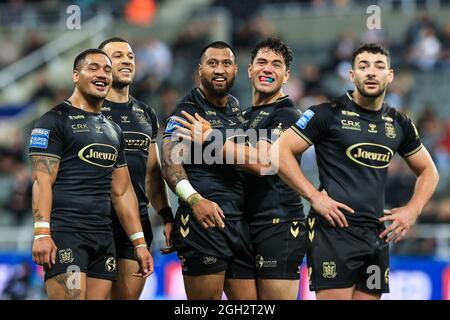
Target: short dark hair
x=372 y=48
x=109 y=40
x=81 y=56
x=218 y=45
x=277 y=46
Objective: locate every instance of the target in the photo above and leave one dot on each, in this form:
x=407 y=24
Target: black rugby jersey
x=140 y=128
x=89 y=147
x=354 y=147
x=215 y=181
x=267 y=198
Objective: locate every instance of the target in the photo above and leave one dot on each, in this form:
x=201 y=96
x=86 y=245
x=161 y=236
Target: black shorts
x=343 y=257
x=88 y=252
x=279 y=249
x=210 y=251
x=124 y=247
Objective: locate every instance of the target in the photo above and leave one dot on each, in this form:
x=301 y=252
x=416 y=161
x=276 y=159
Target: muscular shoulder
x=56 y=115
x=326 y=109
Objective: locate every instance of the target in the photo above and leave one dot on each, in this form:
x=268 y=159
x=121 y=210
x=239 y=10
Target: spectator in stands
x=426 y=50
x=445 y=52
x=20 y=194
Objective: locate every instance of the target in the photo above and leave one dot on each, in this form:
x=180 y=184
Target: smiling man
x=355 y=137
x=79 y=169
x=211 y=236
x=139 y=124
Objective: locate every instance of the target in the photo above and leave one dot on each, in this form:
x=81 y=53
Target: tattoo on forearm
x=172 y=173
x=44 y=164
x=63 y=280
x=193 y=200
x=37 y=216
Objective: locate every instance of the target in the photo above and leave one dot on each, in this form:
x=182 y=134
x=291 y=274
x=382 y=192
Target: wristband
x=41 y=236
x=42 y=228
x=184 y=190
x=138 y=239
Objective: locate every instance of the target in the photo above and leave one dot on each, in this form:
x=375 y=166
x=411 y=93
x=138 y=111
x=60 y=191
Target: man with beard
x=274 y=211
x=79 y=169
x=211 y=237
x=355 y=137
x=140 y=128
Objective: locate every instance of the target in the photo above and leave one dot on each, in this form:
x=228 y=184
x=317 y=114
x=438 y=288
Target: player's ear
x=199 y=69
x=75 y=76
x=287 y=75
x=249 y=70
x=390 y=75
x=352 y=75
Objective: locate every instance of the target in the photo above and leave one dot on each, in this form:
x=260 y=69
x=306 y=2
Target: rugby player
x=355 y=138
x=211 y=237
x=140 y=128
x=79 y=169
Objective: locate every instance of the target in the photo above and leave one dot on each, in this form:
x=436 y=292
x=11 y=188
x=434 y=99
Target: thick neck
x=217 y=101
x=368 y=103
x=261 y=98
x=118 y=94
x=85 y=103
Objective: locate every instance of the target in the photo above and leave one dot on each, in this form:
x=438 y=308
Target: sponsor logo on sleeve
x=172 y=124
x=305 y=118
x=39 y=138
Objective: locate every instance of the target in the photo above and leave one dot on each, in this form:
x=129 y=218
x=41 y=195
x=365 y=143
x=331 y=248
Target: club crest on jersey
x=304 y=119
x=39 y=138
x=390 y=130
x=172 y=124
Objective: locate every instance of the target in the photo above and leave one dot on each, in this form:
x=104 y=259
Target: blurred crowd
x=166 y=74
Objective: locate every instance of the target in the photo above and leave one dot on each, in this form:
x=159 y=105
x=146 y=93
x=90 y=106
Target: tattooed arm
x=44 y=171
x=207 y=213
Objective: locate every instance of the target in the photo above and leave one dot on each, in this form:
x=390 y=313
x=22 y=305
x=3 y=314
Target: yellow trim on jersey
x=51 y=155
x=413 y=152
x=301 y=135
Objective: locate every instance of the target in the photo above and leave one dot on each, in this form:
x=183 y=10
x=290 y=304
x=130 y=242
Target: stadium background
x=39 y=40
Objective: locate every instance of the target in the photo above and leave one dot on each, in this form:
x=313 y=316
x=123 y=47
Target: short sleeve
x=47 y=136
x=280 y=120
x=172 y=121
x=121 y=158
x=154 y=123
x=411 y=140
x=311 y=125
